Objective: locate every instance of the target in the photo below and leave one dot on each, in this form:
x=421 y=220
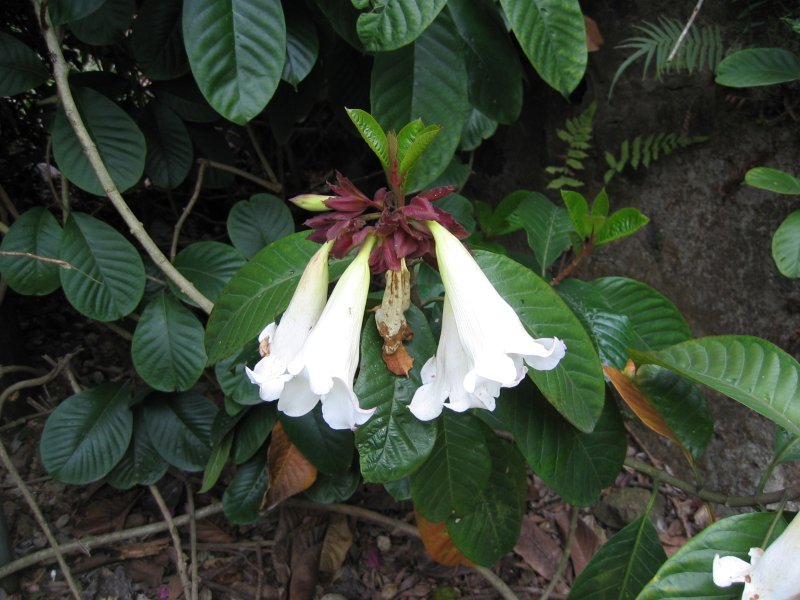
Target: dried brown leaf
x=337 y=542
x=539 y=551
x=438 y=544
x=594 y=39
x=289 y=471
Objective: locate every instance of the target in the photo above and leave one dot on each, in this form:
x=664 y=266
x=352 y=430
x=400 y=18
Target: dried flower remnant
x=391 y=320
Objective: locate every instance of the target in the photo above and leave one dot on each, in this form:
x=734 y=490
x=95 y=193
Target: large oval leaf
x=179 y=426
x=169 y=148
x=106 y=25
x=20 y=67
x=773 y=180
x=64 y=11
x=209 y=266
x=786 y=246
x=576 y=387
x=141 y=464
x=758 y=66
x=395 y=23
x=120 y=143
x=254 y=223
x=241 y=501
x=402 y=90
x=330 y=450
x=252 y=431
x=687 y=574
x=553 y=36
x=748 y=369
x=167 y=347
x=87 y=434
x=35 y=233
x=107 y=277
x=236 y=49
x=157 y=39
x=302 y=49
x=547 y=227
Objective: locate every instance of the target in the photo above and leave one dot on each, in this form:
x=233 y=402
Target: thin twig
x=6 y=199
x=562 y=564
x=65 y=205
x=36 y=381
x=192 y=537
x=23 y=420
x=568 y=270
x=275 y=187
x=48 y=177
x=679 y=41
x=201 y=173
x=180 y=562
x=60 y=74
x=261 y=156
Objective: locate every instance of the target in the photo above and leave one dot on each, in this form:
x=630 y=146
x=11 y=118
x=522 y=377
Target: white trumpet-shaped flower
x=325 y=368
x=483 y=345
x=280 y=343
x=773 y=574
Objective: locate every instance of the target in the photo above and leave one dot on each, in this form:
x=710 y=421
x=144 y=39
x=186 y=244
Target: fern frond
x=701 y=49
x=645 y=150
x=577 y=134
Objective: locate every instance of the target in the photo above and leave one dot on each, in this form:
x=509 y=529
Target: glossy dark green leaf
x=141 y=464
x=576 y=387
x=36 y=232
x=106 y=25
x=216 y=462
x=236 y=49
x=786 y=246
x=87 y=434
x=333 y=488
x=478 y=128
x=622 y=566
x=501 y=219
x=495 y=73
x=209 y=266
x=330 y=450
x=393 y=443
x=107 y=277
x=758 y=66
x=622 y=223
x=254 y=223
x=546 y=225
x=748 y=369
x=456 y=471
x=170 y=153
x=184 y=97
x=553 y=37
x=773 y=180
x=241 y=501
x=491 y=528
x=656 y=321
x=396 y=23
x=21 y=69
x=252 y=431
x=157 y=39
x=302 y=48
x=342 y=17
x=232 y=378
x=461 y=208
x=687 y=573
x=119 y=141
x=401 y=86
x=167 y=346
x=64 y=11
x=576 y=465
x=180 y=428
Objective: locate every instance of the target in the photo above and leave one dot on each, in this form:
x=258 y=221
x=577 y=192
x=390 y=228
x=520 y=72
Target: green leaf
x=107 y=279
x=241 y=501
x=623 y=565
x=750 y=370
x=495 y=73
x=141 y=464
x=106 y=25
x=773 y=180
x=478 y=128
x=254 y=223
x=170 y=154
x=21 y=69
x=457 y=469
x=237 y=49
x=333 y=488
x=257 y=294
x=302 y=49
x=252 y=431
x=330 y=450
x=167 y=346
x=491 y=528
x=758 y=66
x=184 y=97
x=401 y=92
x=120 y=143
x=216 y=462
x=656 y=322
x=371 y=131
x=461 y=208
x=786 y=246
x=64 y=11
x=687 y=573
x=157 y=40
x=578 y=209
x=180 y=427
x=393 y=443
x=576 y=465
x=395 y=23
x=35 y=232
x=232 y=378
x=418 y=144
x=787 y=446
x=622 y=223
x=87 y=434
x=547 y=227
x=553 y=37
x=502 y=220
x=576 y=387
x=209 y=266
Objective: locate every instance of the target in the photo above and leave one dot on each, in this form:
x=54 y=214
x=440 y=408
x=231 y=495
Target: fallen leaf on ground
x=539 y=551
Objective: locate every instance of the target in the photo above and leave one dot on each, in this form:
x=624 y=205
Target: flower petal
x=728 y=570
x=340 y=407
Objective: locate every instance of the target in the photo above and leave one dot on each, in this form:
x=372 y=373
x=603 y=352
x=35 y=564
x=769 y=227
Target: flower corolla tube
x=324 y=369
x=483 y=345
x=773 y=574
x=280 y=343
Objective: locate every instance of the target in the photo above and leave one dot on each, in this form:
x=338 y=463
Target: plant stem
x=261 y=156
x=201 y=172
x=562 y=564
x=275 y=187
x=180 y=562
x=60 y=73
x=568 y=270
x=681 y=37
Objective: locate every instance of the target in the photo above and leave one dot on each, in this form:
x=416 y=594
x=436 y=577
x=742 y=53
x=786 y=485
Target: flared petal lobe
x=280 y=343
